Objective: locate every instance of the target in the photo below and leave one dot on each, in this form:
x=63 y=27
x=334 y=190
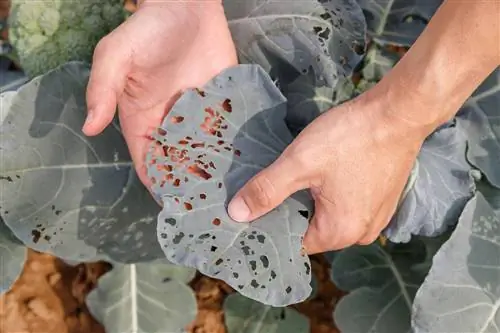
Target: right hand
x=145 y=64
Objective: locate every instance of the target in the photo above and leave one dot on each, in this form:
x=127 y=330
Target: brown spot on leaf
x=199 y=172
x=216 y=221
x=200 y=92
x=177 y=119
x=226 y=105
x=36 y=235
x=198 y=145
x=188 y=206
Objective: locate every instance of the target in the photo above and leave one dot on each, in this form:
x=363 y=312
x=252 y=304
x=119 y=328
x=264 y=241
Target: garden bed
x=50 y=296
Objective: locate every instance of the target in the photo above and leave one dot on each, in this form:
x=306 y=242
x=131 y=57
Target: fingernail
x=238 y=210
x=90 y=117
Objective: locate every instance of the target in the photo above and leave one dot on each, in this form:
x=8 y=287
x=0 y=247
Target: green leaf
x=67 y=194
x=397 y=22
x=479 y=117
x=243 y=315
x=12 y=257
x=210 y=144
x=381 y=282
x=378 y=62
x=307 y=46
x=462 y=291
x=144 y=298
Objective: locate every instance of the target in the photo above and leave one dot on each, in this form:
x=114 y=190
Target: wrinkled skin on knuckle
x=260 y=193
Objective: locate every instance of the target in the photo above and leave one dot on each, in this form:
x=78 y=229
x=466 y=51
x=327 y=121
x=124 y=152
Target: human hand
x=145 y=64
x=355 y=159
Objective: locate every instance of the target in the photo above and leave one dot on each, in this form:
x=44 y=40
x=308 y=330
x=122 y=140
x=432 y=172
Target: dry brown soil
x=50 y=297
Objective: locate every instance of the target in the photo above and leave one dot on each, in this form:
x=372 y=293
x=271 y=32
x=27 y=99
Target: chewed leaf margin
x=211 y=143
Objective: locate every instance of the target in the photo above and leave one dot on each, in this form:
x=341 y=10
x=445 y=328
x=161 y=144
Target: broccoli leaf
x=10 y=80
x=442 y=186
x=243 y=315
x=378 y=62
x=144 y=298
x=397 y=22
x=210 y=144
x=480 y=119
x=66 y=194
x=307 y=46
x=12 y=257
x=462 y=291
x=382 y=282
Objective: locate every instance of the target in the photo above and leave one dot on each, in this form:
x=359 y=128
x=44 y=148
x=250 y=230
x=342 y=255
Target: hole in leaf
x=177 y=119
x=226 y=105
x=199 y=172
x=304 y=213
x=200 y=92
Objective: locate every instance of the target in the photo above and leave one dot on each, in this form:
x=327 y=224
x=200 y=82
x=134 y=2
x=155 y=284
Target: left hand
x=355 y=159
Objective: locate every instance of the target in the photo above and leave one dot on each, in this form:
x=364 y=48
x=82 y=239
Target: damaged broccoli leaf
x=462 y=291
x=307 y=46
x=144 y=298
x=480 y=119
x=63 y=193
x=243 y=315
x=210 y=144
x=441 y=187
x=397 y=22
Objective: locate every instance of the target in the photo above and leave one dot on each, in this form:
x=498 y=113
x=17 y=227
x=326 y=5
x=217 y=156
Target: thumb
x=267 y=190
x=107 y=80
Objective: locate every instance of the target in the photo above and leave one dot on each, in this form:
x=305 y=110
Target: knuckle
x=102 y=47
x=260 y=192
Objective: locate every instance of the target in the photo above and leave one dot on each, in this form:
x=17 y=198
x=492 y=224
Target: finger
x=268 y=189
x=325 y=234
x=107 y=80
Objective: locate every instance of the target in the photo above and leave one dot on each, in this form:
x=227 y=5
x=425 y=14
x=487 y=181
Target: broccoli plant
x=49 y=33
x=79 y=198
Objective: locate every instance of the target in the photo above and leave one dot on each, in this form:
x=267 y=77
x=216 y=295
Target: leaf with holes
x=480 y=119
x=64 y=193
x=12 y=257
x=144 y=298
x=307 y=46
x=382 y=282
x=210 y=144
x=441 y=187
x=462 y=291
x=243 y=315
x=398 y=22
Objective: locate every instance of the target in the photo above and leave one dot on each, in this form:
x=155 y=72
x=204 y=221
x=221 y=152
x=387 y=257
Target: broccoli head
x=46 y=34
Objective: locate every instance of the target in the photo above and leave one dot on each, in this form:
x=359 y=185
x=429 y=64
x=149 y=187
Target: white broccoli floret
x=46 y=34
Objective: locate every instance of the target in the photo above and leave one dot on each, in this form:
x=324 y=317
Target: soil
x=50 y=296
